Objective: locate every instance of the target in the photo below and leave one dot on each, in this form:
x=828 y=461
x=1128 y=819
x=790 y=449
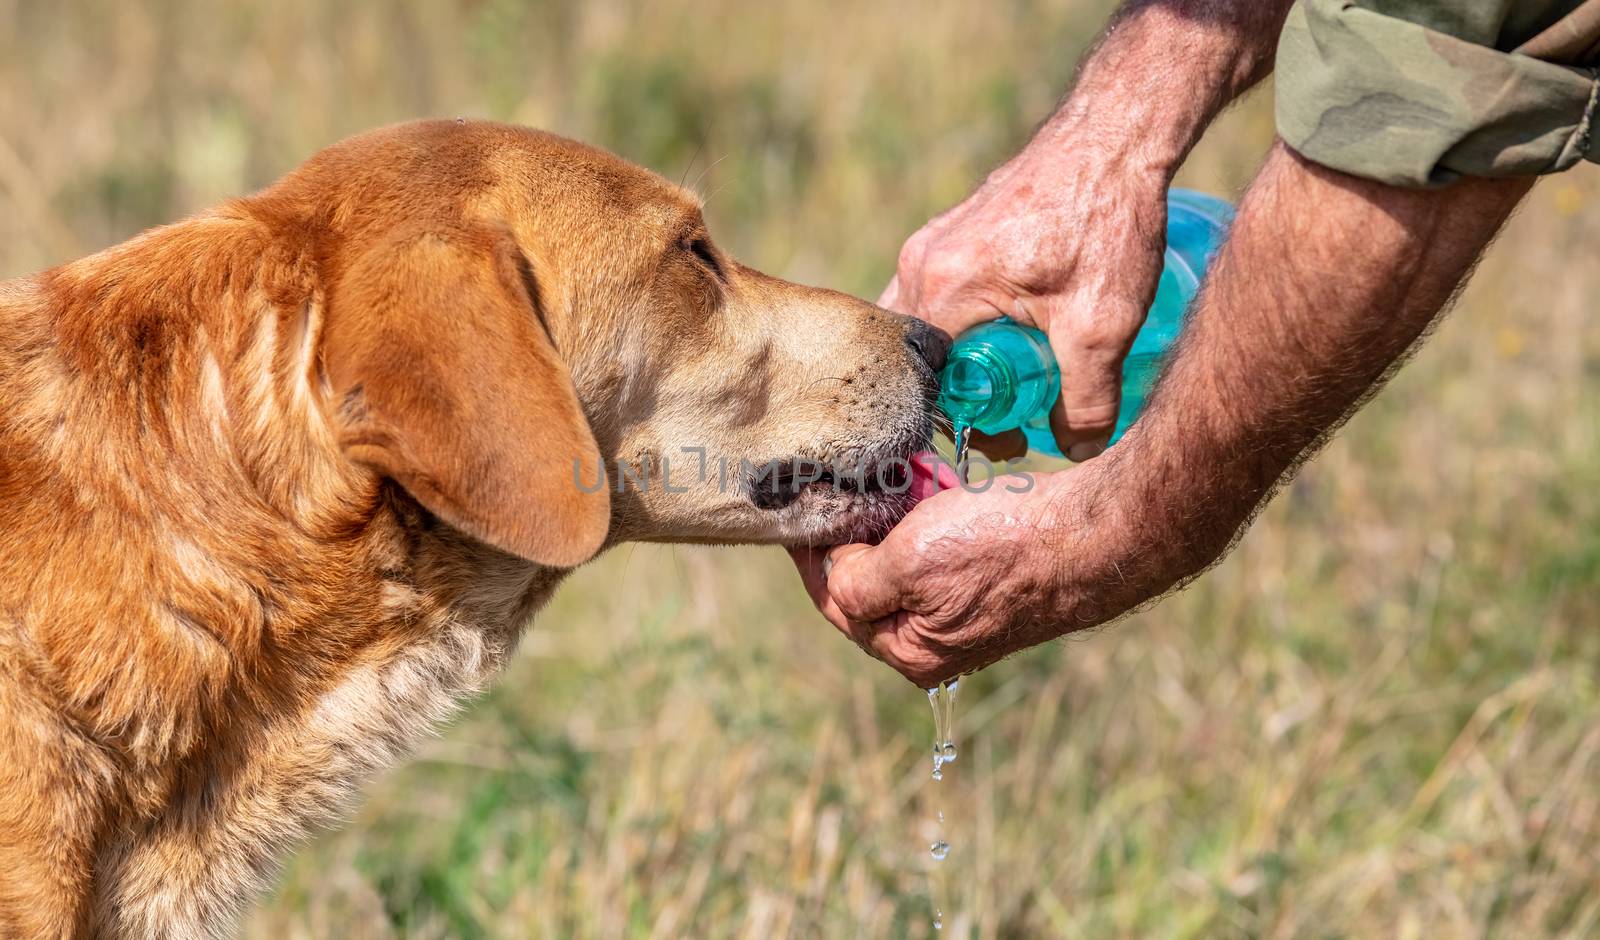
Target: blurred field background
x=1377 y=719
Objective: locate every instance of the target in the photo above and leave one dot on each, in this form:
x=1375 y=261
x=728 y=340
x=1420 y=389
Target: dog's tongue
x=930 y=474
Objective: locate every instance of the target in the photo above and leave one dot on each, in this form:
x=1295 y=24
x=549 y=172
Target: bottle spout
x=978 y=387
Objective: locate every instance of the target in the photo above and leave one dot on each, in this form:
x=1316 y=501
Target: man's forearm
x=1325 y=284
x=1160 y=73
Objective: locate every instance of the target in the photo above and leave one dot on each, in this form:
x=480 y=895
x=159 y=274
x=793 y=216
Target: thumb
x=864 y=582
x=1090 y=347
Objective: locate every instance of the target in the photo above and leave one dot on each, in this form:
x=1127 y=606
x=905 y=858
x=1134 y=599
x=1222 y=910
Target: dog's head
x=545 y=347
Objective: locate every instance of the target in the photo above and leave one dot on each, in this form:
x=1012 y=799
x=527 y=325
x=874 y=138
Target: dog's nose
x=930 y=343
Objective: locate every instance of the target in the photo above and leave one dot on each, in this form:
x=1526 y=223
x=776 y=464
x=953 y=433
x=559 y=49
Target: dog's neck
x=254 y=643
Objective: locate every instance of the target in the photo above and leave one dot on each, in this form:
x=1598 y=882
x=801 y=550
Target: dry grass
x=1378 y=718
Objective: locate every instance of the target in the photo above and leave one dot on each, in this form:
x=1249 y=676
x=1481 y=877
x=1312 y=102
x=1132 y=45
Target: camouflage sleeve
x=1418 y=94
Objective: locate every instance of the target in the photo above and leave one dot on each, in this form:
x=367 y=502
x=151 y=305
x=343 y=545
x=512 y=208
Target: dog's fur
x=282 y=483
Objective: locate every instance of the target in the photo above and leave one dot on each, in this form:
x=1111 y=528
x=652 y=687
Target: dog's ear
x=446 y=381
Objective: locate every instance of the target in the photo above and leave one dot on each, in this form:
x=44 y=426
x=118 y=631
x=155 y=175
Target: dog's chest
x=378 y=708
x=260 y=795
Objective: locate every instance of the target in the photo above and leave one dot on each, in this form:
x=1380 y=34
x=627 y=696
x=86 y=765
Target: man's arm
x=1165 y=69
x=1066 y=236
x=1325 y=283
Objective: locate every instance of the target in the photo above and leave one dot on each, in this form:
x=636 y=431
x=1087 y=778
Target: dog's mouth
x=779 y=484
x=859 y=498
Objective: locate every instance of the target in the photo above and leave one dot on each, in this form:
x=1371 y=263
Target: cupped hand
x=968 y=578
x=1062 y=238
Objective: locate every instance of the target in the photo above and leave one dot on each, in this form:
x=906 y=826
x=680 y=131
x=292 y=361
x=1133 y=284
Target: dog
x=281 y=484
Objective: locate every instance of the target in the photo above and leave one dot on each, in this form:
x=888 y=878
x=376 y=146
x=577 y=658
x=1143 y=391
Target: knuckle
x=1087 y=420
x=1105 y=333
x=1084 y=438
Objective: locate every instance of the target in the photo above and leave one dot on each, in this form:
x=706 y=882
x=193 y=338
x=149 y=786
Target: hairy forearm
x=1159 y=74
x=1325 y=284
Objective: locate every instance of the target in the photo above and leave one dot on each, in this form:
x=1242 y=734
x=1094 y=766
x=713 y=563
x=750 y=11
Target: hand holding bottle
x=1066 y=240
x=1001 y=376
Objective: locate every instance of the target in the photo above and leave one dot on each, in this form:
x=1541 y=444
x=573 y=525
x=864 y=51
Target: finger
x=953 y=292
x=809 y=562
x=1090 y=349
x=867 y=581
x=955 y=315
x=890 y=298
x=901 y=649
x=893 y=640
x=813 y=565
x=1007 y=445
x=959 y=314
x=922 y=660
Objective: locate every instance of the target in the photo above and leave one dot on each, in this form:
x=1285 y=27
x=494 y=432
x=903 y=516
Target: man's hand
x=1325 y=282
x=969 y=577
x=1067 y=237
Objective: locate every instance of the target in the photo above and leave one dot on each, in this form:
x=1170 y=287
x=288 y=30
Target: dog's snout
x=930 y=343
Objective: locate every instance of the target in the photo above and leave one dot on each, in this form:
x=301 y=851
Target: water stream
x=942 y=698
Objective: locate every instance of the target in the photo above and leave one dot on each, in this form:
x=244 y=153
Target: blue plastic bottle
x=1002 y=375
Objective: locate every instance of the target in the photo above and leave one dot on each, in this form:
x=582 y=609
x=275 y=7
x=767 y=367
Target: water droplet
x=937 y=773
x=947 y=754
x=941 y=816
x=938 y=920
x=940 y=849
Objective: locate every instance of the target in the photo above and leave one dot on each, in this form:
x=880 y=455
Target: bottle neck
x=979 y=387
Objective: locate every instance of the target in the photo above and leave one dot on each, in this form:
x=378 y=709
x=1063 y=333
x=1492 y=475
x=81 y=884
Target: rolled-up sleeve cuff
x=1391 y=100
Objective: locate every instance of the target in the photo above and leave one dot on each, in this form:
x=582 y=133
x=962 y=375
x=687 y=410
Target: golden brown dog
x=281 y=484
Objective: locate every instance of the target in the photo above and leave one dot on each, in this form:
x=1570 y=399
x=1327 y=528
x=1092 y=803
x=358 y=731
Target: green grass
x=1377 y=718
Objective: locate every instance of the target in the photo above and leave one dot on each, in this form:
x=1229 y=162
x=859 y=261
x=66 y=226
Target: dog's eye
x=701 y=249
